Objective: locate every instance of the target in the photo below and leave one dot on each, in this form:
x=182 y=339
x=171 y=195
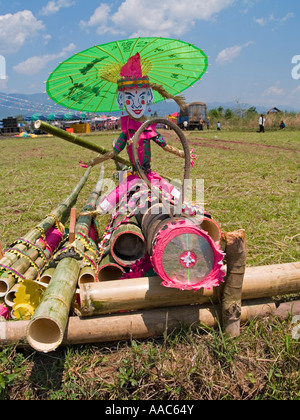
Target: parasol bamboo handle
x=64 y=135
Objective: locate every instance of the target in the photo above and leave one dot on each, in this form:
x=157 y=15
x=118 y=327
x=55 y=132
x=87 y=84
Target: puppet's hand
x=193 y=157
x=83 y=164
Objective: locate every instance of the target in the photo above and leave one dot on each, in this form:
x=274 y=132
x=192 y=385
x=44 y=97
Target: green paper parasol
x=88 y=80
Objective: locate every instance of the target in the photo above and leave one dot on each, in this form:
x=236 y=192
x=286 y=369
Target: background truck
x=192 y=114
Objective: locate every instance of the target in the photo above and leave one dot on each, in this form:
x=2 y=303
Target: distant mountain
x=24 y=104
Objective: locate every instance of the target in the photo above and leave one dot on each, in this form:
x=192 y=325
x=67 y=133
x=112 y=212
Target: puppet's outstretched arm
x=100 y=158
x=180 y=153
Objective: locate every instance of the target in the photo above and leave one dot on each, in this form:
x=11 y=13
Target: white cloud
x=47 y=38
x=286 y=17
x=265 y=20
x=141 y=17
x=34 y=65
x=53 y=7
x=100 y=19
x=296 y=91
x=274 y=90
x=16 y=29
x=229 y=54
x=175 y=17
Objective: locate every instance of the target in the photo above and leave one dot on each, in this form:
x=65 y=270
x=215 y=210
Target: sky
x=253 y=45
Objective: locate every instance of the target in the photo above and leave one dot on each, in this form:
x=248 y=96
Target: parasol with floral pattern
x=88 y=80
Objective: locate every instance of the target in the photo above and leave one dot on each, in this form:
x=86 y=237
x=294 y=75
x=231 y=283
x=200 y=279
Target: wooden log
x=147 y=292
x=235 y=250
x=72 y=226
x=144 y=324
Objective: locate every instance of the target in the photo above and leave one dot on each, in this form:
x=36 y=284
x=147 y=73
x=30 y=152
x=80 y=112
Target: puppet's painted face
x=135 y=101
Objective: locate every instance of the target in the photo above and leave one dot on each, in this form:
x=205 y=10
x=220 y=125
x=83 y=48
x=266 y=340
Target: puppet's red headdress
x=131 y=75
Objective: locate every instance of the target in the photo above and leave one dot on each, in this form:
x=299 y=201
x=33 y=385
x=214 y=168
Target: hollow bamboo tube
x=235 y=250
x=6 y=283
x=21 y=266
x=127 y=244
x=86 y=275
x=9 y=297
x=47 y=275
x=109 y=269
x=46 y=328
x=212 y=228
x=147 y=292
x=145 y=324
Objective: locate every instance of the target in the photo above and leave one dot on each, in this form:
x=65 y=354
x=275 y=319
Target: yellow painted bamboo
x=147 y=292
x=146 y=324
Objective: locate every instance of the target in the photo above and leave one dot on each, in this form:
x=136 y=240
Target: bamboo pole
x=21 y=264
x=147 y=292
x=46 y=328
x=10 y=258
x=64 y=135
x=146 y=324
x=235 y=250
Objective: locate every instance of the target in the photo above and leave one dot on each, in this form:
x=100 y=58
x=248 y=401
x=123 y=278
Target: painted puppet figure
x=135 y=93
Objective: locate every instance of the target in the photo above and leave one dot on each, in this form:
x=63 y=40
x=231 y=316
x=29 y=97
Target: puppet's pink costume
x=129 y=127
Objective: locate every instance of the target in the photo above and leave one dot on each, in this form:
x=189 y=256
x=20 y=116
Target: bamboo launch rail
x=259 y=283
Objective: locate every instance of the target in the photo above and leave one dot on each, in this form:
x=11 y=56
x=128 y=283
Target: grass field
x=251 y=181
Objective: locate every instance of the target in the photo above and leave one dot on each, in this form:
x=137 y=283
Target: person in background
x=261 y=123
x=218 y=126
x=282 y=125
